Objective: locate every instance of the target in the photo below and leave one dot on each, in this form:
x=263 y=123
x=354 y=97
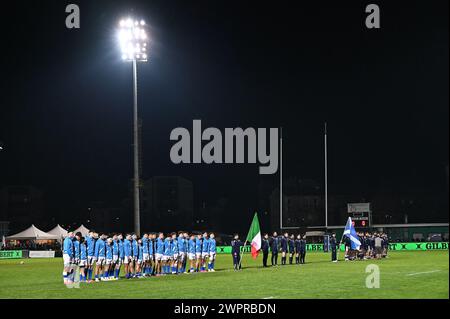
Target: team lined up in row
x=151 y=255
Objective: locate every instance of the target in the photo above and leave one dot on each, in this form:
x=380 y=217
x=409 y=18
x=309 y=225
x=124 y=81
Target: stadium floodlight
x=133 y=42
x=132 y=36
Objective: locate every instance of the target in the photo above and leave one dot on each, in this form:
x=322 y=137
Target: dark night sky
x=66 y=97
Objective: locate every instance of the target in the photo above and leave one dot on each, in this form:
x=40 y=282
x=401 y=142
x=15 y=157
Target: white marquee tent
x=32 y=233
x=82 y=229
x=58 y=231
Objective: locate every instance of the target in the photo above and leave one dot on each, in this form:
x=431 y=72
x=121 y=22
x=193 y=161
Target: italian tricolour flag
x=254 y=236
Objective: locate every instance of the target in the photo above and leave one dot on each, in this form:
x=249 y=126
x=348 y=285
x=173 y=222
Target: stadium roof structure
x=32 y=233
x=58 y=231
x=82 y=229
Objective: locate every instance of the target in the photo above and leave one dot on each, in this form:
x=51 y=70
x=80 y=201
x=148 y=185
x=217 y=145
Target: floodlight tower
x=133 y=44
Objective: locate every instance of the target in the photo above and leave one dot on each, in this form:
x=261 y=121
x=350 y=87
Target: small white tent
x=82 y=229
x=58 y=231
x=32 y=233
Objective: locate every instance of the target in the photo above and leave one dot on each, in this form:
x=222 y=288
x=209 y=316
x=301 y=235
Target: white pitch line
x=423 y=272
x=271 y=297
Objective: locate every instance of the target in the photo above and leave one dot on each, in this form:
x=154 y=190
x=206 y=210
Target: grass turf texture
x=420 y=274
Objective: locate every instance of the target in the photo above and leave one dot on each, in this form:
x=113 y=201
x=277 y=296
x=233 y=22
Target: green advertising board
x=10 y=254
x=392 y=247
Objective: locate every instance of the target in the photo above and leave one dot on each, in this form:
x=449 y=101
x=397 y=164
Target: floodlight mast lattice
x=133 y=42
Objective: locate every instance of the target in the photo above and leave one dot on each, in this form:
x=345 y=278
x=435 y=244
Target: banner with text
x=392 y=247
x=10 y=254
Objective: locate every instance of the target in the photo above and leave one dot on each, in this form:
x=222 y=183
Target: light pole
x=326 y=177
x=133 y=44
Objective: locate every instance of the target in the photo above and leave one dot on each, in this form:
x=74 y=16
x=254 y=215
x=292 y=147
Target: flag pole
x=340 y=242
x=241 y=253
x=342 y=237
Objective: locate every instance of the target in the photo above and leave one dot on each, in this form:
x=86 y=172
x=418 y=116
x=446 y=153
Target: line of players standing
x=287 y=245
x=142 y=257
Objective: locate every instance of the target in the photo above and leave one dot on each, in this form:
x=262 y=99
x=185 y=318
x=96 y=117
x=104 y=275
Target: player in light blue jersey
x=116 y=260
x=68 y=256
x=198 y=252
x=191 y=253
x=76 y=248
x=100 y=255
x=140 y=259
x=167 y=256
x=107 y=275
x=146 y=255
x=181 y=252
x=212 y=252
x=135 y=245
x=121 y=255
x=90 y=244
x=175 y=254
x=205 y=251
x=128 y=256
x=159 y=253
x=151 y=252
x=83 y=259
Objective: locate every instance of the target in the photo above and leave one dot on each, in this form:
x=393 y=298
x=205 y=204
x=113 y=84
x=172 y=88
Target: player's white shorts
x=139 y=261
x=158 y=257
x=166 y=257
x=212 y=255
x=198 y=255
x=146 y=256
x=205 y=254
x=67 y=260
x=191 y=256
x=108 y=261
x=91 y=260
x=175 y=257
x=181 y=256
x=83 y=262
x=115 y=259
x=100 y=261
x=127 y=260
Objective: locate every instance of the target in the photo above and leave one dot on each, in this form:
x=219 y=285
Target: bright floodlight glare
x=133 y=39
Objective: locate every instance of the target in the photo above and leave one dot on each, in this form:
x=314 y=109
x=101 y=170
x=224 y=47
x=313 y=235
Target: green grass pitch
x=421 y=274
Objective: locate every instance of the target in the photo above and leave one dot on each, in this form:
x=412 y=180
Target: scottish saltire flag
x=350 y=232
